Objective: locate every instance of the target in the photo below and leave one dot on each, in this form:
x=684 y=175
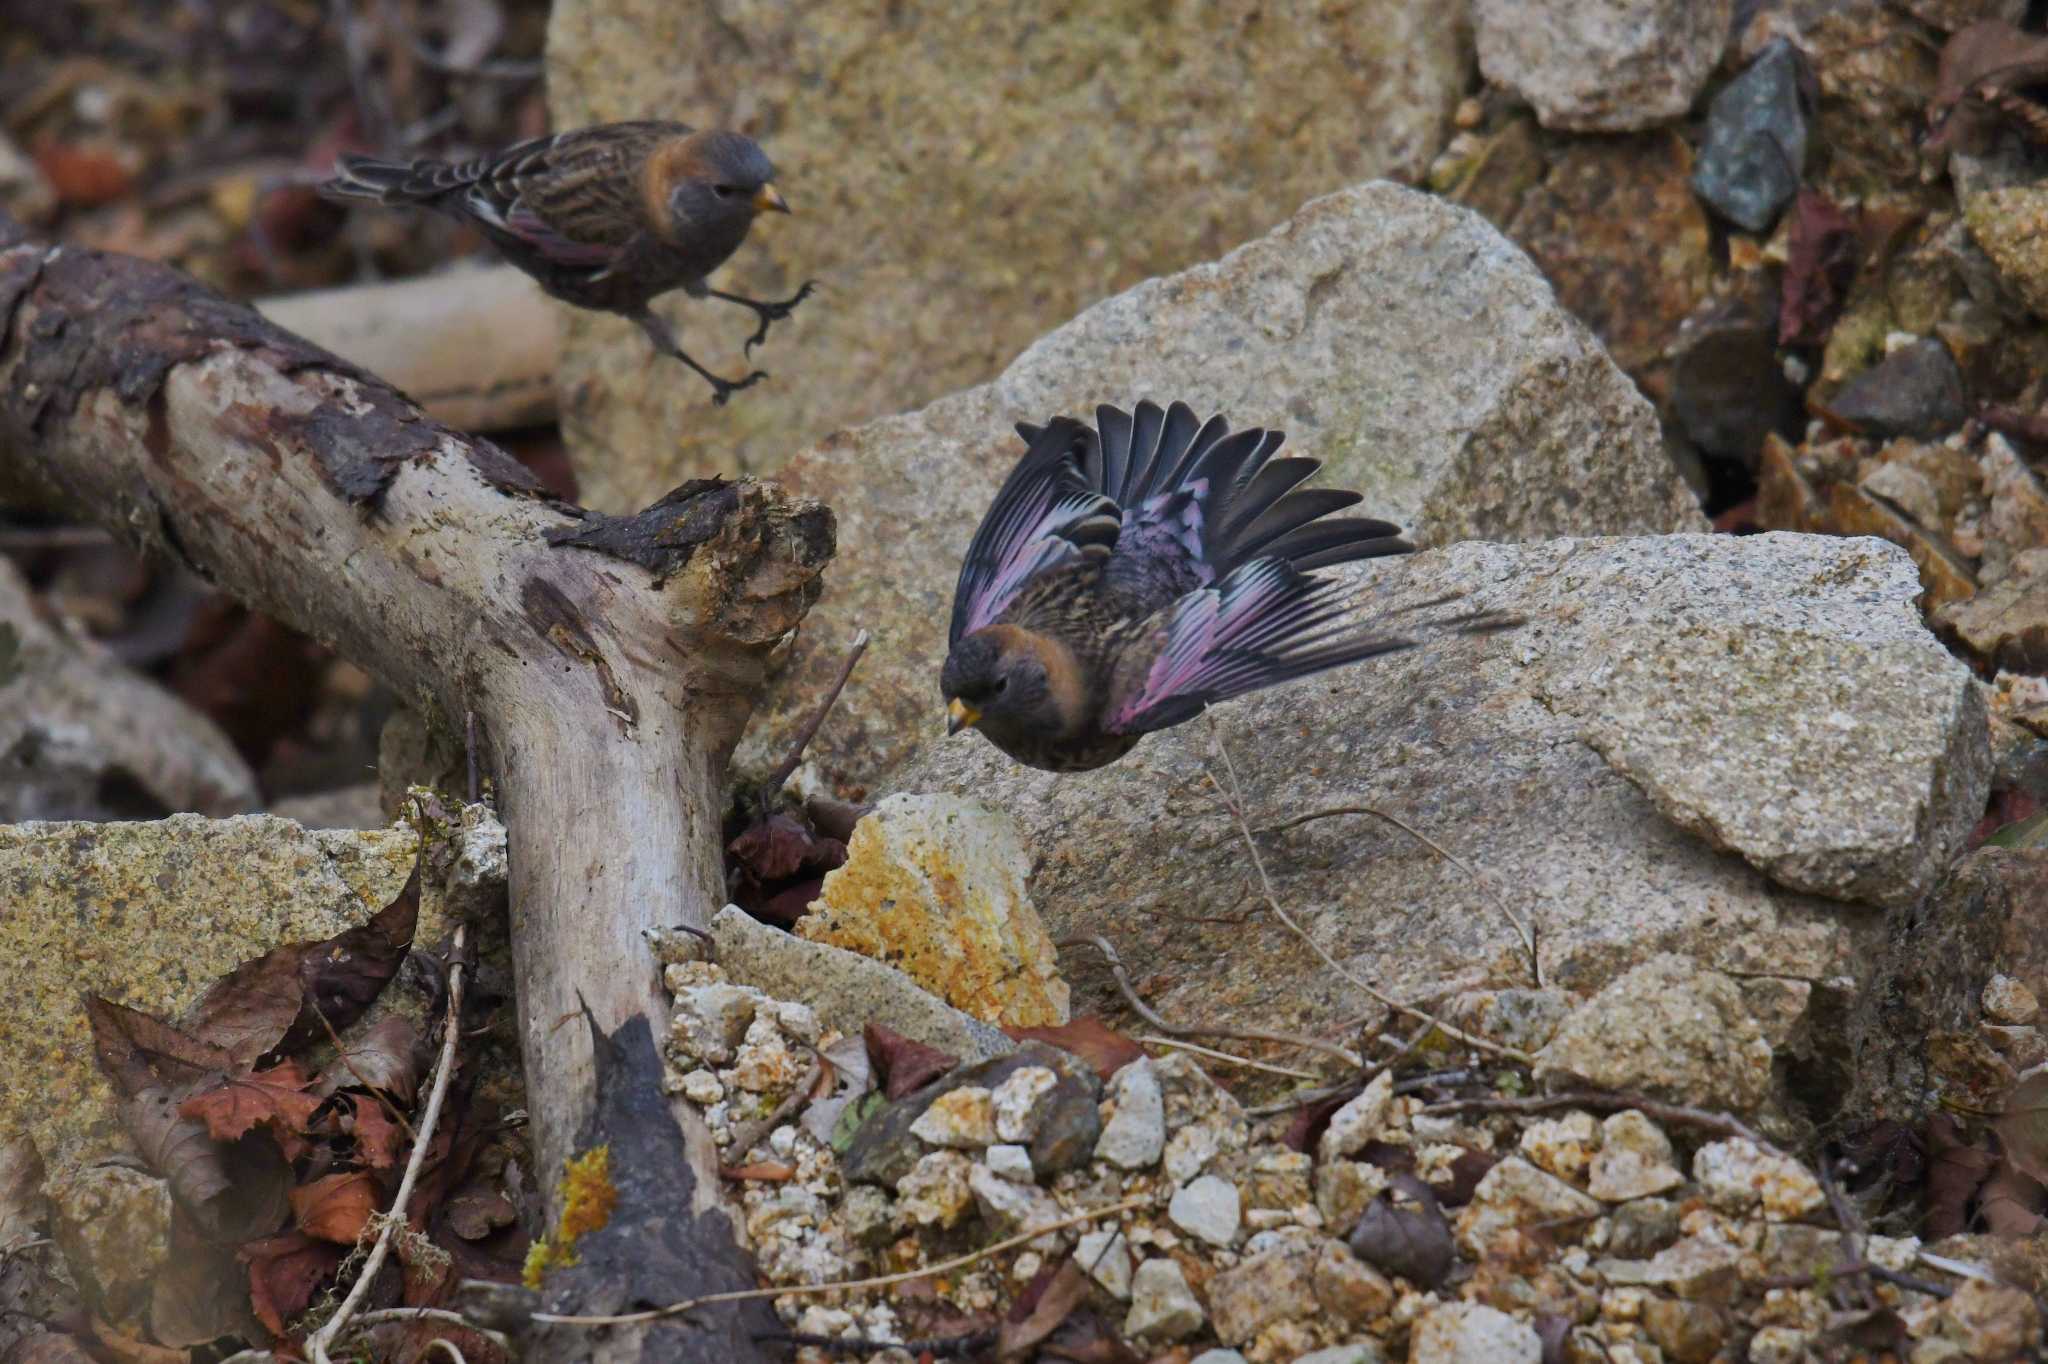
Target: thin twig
x=55 y=537
x=444 y=1070
x=341 y=1050
x=773 y=786
x=1233 y=800
x=746 y=1134
x=1215 y=1055
x=1860 y=1270
x=1850 y=1225
x=1962 y=1269
x=1525 y=929
x=1704 y=1118
x=676 y=1309
x=1145 y=1011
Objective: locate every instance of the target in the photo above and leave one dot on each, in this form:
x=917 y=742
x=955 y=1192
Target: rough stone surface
x=1087 y=157
x=2007 y=222
x=113 y=1225
x=1634 y=1160
x=1670 y=1028
x=1358 y=1121
x=1135 y=1134
x=1916 y=390
x=1471 y=1333
x=1755 y=148
x=1695 y=1269
x=1010 y=1161
x=1515 y=1195
x=1348 y=1288
x=960 y=1117
x=75 y=722
x=150 y=915
x=1144 y=850
x=2008 y=621
x=936 y=1191
x=1739 y=1176
x=886 y=1146
x=1106 y=1256
x=2009 y=1001
x=1399 y=339
x=1274 y=1286
x=1850 y=766
x=1207 y=1207
x=935 y=885
x=848 y=991
x=1163 y=1307
x=1602 y=65
x=1021 y=1102
x=1009 y=1207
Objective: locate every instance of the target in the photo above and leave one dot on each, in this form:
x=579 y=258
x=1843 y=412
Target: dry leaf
x=386 y=1057
x=1089 y=1038
x=1403 y=1232
x=906 y=1065
x=1062 y=1294
x=337 y=1207
x=284 y=1273
x=274 y=1098
x=378 y=1138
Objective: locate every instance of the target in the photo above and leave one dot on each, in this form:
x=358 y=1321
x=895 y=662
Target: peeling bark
x=611 y=665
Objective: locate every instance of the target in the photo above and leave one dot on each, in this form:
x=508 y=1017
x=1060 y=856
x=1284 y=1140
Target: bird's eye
x=1002 y=684
x=725 y=191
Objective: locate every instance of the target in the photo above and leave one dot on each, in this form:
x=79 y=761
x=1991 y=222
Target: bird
x=1129 y=575
x=606 y=217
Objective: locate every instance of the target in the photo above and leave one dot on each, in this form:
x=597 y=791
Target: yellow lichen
x=588 y=1197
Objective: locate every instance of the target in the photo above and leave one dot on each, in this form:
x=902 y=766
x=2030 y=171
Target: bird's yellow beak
x=766 y=200
x=960 y=715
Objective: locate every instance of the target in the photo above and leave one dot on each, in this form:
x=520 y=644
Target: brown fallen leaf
x=777 y=864
x=385 y=1057
x=378 y=1138
x=1059 y=1297
x=1820 y=263
x=284 y=1273
x=906 y=1065
x=126 y=1349
x=1982 y=67
x=197 y=1296
x=1956 y=1169
x=1403 y=1232
x=234 y=1192
x=275 y=1099
x=52 y=1347
x=765 y=1171
x=1305 y=1126
x=336 y=1207
x=1089 y=1038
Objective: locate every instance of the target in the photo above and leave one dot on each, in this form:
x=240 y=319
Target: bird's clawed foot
x=722 y=389
x=768 y=312
x=664 y=341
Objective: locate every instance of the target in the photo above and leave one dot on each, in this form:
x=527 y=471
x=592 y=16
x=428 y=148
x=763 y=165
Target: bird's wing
x=1265 y=623
x=574 y=197
x=1046 y=515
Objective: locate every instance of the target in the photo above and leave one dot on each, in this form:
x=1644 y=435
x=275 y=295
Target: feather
x=1045 y=515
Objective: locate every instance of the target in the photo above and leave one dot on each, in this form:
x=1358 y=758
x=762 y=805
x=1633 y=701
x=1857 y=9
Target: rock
x=1851 y=767
x=885 y=1147
x=1523 y=1018
x=1008 y=1206
x=1944 y=574
x=1203 y=1119
x=76 y=724
x=1641 y=1228
x=936 y=1191
x=1634 y=1160
x=1755 y=150
x=1163 y=1307
x=960 y=1117
x=1694 y=1269
x=1602 y=65
x=994 y=202
x=1011 y=1162
x=935 y=885
x=151 y=915
x=1468 y=1333
x=1687 y=1332
x=1985 y=1321
x=2009 y=1001
x=870 y=1219
x=1515 y=1196
x=1927 y=982
x=1738 y=1175
x=2007 y=223
x=1277 y=1179
x=702 y=1088
x=1729 y=391
x=708 y=1022
x=1106 y=1257
x=1343 y=1188
x=1135 y=1134
x=1022 y=1102
x=1619 y=883
x=1914 y=391
x=1564 y=1145
x=1399 y=339
x=2007 y=623
x=1357 y=1352
x=1218 y=1357
x=1781 y=1345
x=1617 y=231
x=1207 y=1208
x=1348 y=1288
x=25 y=192
x=764 y=1062
x=348 y=807
x=113 y=1225
x=2016 y=511
x=1951 y=15
x=1358 y=1121
x=1668 y=1028
x=846 y=990
x=1276 y=1286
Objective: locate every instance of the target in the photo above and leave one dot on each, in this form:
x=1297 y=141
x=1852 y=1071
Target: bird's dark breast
x=1083 y=754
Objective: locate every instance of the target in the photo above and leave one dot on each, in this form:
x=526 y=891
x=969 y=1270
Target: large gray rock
x=150 y=915
x=1602 y=65
x=1482 y=745
x=953 y=217
x=75 y=723
x=1851 y=765
x=1398 y=338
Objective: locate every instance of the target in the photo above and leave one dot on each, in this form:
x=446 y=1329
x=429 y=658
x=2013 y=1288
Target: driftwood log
x=609 y=662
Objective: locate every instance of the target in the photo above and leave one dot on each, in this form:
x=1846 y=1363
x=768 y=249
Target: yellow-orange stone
x=936 y=886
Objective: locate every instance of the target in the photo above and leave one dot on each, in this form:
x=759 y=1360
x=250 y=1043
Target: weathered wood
x=609 y=693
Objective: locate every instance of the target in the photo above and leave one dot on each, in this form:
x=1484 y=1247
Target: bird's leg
x=767 y=312
x=664 y=341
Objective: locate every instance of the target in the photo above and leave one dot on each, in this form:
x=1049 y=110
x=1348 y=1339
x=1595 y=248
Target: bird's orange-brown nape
x=1063 y=680
x=668 y=165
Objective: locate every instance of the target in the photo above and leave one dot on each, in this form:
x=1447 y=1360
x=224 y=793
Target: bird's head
x=1009 y=683
x=720 y=176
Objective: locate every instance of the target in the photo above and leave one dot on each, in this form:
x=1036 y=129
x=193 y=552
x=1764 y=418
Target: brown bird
x=1128 y=576
x=607 y=217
